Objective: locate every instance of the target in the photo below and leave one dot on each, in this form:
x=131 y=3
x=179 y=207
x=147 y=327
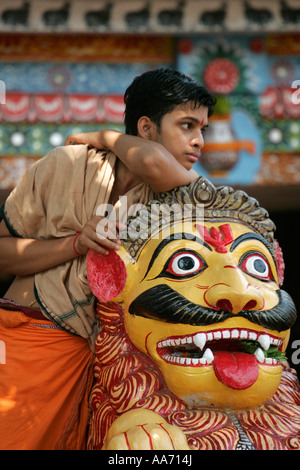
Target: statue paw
x=144 y=430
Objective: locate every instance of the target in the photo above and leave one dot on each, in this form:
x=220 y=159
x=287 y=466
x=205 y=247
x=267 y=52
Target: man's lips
x=194 y=157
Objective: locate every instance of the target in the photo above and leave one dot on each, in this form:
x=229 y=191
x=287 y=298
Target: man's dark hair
x=158 y=92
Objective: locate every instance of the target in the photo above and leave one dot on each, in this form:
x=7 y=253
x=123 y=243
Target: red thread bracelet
x=76 y=236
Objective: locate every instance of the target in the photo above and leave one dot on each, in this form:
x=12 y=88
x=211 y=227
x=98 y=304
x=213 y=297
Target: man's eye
x=184 y=264
x=256 y=264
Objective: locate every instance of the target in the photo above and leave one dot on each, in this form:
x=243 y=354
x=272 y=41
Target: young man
x=48 y=324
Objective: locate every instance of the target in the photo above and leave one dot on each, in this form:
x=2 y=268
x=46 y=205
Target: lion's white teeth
x=264 y=341
x=259 y=355
x=208 y=356
x=199 y=340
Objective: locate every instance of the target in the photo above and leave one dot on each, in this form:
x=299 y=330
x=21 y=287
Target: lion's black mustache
x=165 y=304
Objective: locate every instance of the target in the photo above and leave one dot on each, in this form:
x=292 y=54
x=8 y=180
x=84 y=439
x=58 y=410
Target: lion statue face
x=203 y=301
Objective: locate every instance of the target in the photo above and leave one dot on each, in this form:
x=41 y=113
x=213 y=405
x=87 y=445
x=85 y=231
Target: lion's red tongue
x=235 y=369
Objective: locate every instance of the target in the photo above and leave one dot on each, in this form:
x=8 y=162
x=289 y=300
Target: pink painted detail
x=106 y=274
x=217 y=238
x=235 y=369
x=279 y=263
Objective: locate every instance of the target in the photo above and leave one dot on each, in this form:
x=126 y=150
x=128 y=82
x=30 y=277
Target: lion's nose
x=234 y=295
x=226 y=305
x=222 y=297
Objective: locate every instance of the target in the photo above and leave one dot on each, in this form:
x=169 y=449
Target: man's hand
x=93 y=139
x=99 y=234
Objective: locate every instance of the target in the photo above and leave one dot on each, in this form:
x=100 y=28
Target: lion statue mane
x=127 y=379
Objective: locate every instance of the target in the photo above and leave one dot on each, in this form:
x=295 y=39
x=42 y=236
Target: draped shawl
x=55 y=197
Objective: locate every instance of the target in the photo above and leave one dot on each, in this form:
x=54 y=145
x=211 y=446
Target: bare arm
x=145 y=158
x=24 y=256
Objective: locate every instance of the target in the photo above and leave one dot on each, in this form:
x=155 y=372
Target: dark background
x=288 y=236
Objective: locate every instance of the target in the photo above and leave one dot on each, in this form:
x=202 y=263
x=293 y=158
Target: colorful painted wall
x=62 y=84
x=254 y=137
x=65 y=65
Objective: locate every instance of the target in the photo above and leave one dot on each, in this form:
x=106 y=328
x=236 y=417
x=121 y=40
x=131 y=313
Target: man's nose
x=198 y=140
x=235 y=294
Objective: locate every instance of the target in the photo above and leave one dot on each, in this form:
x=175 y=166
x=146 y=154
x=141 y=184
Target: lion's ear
x=106 y=274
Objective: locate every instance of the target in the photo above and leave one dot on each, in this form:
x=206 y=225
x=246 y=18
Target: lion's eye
x=255 y=264
x=184 y=264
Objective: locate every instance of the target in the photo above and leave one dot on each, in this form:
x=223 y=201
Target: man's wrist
x=75 y=248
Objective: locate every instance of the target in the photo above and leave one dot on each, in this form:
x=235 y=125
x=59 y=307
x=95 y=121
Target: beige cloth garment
x=55 y=197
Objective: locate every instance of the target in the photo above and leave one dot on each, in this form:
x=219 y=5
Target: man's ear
x=146 y=128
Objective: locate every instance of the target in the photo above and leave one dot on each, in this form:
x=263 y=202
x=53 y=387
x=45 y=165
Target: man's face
x=181 y=132
x=208 y=312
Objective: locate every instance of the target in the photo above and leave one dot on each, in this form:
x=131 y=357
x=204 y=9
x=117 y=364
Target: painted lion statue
x=194 y=329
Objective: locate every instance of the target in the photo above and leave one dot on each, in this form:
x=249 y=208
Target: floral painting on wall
x=256 y=119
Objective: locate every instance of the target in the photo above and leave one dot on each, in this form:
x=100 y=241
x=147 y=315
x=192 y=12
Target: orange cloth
x=45 y=380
